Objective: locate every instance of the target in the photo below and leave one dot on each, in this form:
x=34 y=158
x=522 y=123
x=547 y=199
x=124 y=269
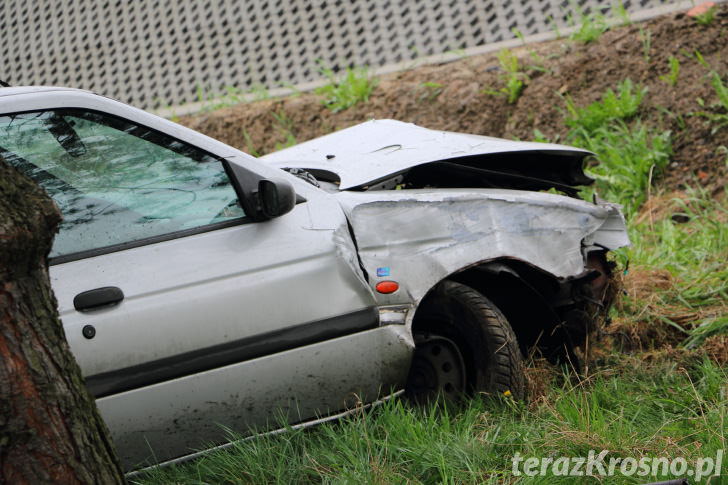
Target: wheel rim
x=437 y=369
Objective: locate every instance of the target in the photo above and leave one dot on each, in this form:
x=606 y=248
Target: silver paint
x=425 y=236
x=181 y=416
x=371 y=151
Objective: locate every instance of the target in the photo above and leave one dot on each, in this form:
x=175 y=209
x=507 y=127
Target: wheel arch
x=521 y=292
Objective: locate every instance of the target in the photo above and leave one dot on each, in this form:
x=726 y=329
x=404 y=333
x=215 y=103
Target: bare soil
x=454 y=96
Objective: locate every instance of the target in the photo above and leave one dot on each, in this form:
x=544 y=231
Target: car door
x=184 y=313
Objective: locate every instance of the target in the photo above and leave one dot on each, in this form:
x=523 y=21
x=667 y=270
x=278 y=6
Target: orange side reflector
x=387 y=287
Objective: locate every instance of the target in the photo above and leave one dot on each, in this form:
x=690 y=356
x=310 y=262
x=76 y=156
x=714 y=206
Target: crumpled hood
x=379 y=149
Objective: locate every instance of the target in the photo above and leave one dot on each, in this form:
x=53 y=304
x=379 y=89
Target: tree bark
x=50 y=428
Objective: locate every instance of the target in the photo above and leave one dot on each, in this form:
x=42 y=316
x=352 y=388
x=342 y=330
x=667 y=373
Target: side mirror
x=276 y=197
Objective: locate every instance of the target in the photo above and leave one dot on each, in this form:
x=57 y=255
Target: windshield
x=114 y=181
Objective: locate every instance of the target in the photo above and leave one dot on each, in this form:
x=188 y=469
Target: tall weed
x=513 y=78
x=590 y=26
x=717 y=119
x=622 y=105
x=629 y=157
x=671 y=78
x=342 y=92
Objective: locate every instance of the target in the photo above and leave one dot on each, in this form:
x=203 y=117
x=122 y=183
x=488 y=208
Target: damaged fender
x=424 y=236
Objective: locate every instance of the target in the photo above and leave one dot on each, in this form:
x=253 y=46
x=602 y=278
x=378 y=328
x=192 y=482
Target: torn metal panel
x=374 y=151
x=612 y=234
x=424 y=236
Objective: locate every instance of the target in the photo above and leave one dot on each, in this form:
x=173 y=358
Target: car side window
x=116 y=183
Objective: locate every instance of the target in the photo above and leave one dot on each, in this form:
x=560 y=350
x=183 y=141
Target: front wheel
x=464 y=345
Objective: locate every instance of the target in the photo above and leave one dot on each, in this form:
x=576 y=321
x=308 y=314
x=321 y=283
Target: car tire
x=460 y=331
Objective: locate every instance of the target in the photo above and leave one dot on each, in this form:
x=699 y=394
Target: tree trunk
x=50 y=428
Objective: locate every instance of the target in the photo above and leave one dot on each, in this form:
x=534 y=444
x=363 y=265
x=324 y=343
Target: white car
x=201 y=288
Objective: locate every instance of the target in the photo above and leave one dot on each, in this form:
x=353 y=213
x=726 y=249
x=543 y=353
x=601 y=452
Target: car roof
x=15 y=90
x=36 y=98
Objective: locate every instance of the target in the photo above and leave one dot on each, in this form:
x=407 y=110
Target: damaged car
x=202 y=289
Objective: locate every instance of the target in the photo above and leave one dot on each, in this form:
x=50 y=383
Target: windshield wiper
x=302 y=174
x=65 y=135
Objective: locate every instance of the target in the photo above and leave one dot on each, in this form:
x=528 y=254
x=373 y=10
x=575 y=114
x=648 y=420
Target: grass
x=718 y=116
x=685 y=246
x=428 y=91
x=513 y=78
x=554 y=26
x=620 y=11
x=665 y=407
x=646 y=38
x=671 y=78
x=629 y=158
x=283 y=125
x=706 y=18
x=629 y=154
x=590 y=26
x=680 y=253
x=633 y=409
x=622 y=105
x=688 y=245
x=343 y=92
x=537 y=59
x=251 y=149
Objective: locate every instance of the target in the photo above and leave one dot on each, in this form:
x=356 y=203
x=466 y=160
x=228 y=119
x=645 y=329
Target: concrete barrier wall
x=153 y=53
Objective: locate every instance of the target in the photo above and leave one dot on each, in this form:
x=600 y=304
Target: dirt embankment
x=454 y=96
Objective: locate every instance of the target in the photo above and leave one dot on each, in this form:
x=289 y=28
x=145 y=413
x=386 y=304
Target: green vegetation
x=537 y=59
x=689 y=246
x=619 y=11
x=210 y=100
x=284 y=126
x=671 y=78
x=620 y=106
x=629 y=155
x=428 y=91
x=249 y=142
x=706 y=18
x=672 y=407
x=554 y=26
x=513 y=78
x=160 y=103
x=717 y=119
x=348 y=90
x=632 y=410
x=646 y=38
x=629 y=158
x=591 y=26
x=690 y=243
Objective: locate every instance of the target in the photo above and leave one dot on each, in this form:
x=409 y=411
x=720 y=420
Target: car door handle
x=91 y=299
